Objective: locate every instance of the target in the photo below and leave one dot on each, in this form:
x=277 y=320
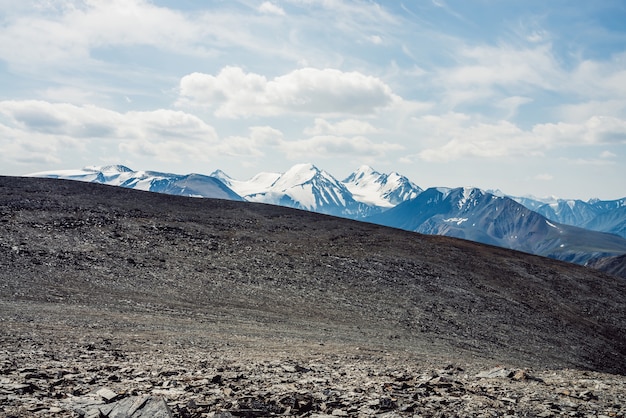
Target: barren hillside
x=164 y=278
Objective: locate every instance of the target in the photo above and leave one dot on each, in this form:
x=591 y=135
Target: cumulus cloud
x=233 y=93
x=48 y=129
x=63 y=119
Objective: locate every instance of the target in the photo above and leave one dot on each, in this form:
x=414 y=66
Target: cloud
x=607 y=154
x=259 y=140
x=270 y=8
x=344 y=127
x=588 y=161
x=595 y=130
x=41 y=128
x=587 y=109
x=544 y=177
x=599 y=80
x=234 y=93
x=507 y=75
x=68 y=34
x=511 y=105
x=89 y=122
x=325 y=146
x=375 y=39
x=504 y=66
x=463 y=137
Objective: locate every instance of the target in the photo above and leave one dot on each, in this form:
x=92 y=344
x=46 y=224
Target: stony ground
x=95 y=375
x=124 y=304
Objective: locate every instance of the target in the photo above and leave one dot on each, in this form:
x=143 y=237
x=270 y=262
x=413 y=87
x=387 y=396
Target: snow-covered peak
x=363 y=173
x=445 y=191
x=297 y=175
x=109 y=169
x=260 y=183
x=467 y=193
x=220 y=175
x=385 y=190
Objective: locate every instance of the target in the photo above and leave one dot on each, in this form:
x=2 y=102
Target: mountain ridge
x=375 y=197
x=473 y=214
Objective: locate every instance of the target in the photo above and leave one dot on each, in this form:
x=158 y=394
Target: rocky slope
x=153 y=296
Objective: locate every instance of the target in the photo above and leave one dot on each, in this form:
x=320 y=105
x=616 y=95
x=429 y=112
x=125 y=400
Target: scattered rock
x=107 y=394
x=496 y=372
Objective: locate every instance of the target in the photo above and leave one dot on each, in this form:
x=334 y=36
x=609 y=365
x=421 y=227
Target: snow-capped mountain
x=531 y=202
x=571 y=212
x=194 y=185
x=260 y=183
x=304 y=186
x=385 y=190
x=475 y=215
x=597 y=215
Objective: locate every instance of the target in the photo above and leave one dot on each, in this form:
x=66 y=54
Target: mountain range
x=570 y=230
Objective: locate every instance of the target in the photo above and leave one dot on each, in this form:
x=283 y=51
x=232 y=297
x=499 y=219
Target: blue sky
x=524 y=96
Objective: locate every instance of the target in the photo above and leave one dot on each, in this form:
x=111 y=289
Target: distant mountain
x=531 y=202
x=475 y=215
x=262 y=182
x=598 y=215
x=385 y=190
x=304 y=186
x=193 y=185
x=613 y=221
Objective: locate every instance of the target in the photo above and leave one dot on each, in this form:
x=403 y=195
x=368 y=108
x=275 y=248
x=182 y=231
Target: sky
x=524 y=96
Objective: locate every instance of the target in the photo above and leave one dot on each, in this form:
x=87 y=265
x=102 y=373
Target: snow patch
x=458 y=221
x=551 y=224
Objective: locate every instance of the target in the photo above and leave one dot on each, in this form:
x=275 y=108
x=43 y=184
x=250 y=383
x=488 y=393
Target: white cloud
x=375 y=39
x=511 y=105
x=463 y=137
x=325 y=146
x=69 y=35
x=504 y=66
x=270 y=8
x=234 y=93
x=544 y=177
x=599 y=80
x=584 y=110
x=595 y=130
x=344 y=127
x=41 y=129
x=607 y=154
x=588 y=161
x=89 y=122
x=259 y=140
